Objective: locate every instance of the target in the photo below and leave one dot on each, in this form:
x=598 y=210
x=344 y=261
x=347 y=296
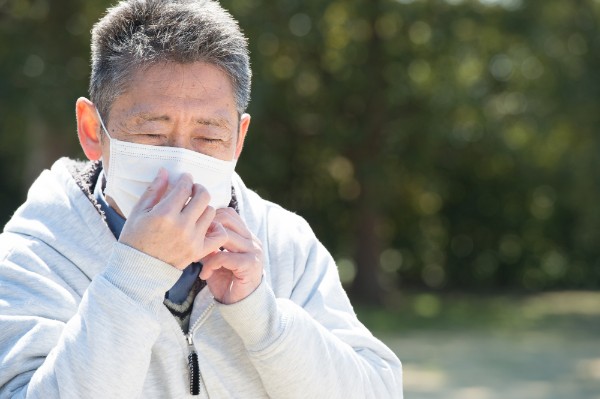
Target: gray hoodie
x=82 y=316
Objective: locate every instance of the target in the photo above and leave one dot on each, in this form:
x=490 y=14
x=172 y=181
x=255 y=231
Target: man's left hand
x=235 y=272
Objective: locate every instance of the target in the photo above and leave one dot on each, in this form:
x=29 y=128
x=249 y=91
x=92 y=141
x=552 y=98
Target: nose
x=179 y=140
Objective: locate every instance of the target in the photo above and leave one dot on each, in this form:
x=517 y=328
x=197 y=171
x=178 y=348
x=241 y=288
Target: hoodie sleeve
x=54 y=343
x=309 y=343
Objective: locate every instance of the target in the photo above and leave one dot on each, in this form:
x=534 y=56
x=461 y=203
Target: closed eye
x=208 y=140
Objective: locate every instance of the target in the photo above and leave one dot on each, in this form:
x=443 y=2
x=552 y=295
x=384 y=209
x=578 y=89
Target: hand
x=233 y=274
x=168 y=227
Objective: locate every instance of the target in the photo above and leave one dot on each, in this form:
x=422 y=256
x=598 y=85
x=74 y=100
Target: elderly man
x=152 y=271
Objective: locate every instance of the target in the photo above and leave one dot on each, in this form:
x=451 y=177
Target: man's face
x=179 y=105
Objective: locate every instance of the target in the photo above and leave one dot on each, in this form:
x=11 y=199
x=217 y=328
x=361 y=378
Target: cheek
x=222 y=153
x=221 y=150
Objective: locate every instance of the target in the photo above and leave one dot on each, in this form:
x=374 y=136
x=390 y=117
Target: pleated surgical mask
x=134 y=166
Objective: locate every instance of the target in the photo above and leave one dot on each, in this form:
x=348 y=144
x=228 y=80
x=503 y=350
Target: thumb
x=215 y=237
x=154 y=192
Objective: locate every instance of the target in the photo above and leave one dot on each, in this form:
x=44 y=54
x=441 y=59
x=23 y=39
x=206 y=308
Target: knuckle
x=164 y=221
x=224 y=212
x=210 y=211
x=159 y=213
x=204 y=195
x=185 y=188
x=258 y=252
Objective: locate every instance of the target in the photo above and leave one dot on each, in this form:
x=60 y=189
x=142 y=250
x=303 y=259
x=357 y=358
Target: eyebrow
x=151 y=118
x=219 y=122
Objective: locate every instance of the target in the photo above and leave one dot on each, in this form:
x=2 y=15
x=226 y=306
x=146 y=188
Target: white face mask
x=133 y=167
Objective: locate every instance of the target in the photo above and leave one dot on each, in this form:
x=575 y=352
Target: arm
x=52 y=345
x=311 y=344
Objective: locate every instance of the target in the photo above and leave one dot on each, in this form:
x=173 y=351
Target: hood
x=61 y=212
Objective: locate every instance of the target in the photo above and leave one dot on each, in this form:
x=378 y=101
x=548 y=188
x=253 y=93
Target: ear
x=244 y=124
x=88 y=128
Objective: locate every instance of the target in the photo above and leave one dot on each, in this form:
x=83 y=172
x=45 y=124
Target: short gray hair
x=136 y=34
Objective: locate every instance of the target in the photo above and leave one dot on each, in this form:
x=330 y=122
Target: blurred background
x=445 y=152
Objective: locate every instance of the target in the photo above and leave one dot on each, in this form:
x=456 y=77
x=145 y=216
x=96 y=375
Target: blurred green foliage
x=571 y=314
x=431 y=144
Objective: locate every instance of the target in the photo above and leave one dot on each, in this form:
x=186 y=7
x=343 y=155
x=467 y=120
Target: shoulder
x=293 y=252
x=34 y=272
x=279 y=226
x=287 y=223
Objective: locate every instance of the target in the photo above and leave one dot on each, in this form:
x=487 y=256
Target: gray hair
x=136 y=34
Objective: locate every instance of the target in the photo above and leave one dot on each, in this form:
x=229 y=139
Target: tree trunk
x=366 y=287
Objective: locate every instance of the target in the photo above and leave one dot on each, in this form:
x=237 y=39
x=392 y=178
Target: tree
x=430 y=144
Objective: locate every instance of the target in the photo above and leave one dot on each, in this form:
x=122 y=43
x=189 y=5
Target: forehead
x=176 y=87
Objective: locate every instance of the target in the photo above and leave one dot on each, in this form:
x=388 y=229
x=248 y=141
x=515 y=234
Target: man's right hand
x=163 y=226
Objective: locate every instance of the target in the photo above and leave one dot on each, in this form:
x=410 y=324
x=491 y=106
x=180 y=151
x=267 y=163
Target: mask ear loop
x=102 y=124
x=110 y=138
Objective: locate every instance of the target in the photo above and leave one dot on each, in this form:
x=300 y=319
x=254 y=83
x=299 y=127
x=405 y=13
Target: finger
x=237 y=243
x=198 y=202
x=179 y=195
x=239 y=264
x=233 y=224
x=214 y=238
x=231 y=220
x=204 y=222
x=210 y=264
x=154 y=192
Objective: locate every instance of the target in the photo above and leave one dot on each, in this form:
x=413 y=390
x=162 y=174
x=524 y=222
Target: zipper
x=194 y=368
x=193 y=365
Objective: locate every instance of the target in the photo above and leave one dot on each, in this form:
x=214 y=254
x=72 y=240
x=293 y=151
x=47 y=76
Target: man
x=152 y=271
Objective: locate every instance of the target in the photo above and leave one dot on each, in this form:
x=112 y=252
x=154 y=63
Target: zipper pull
x=194 y=368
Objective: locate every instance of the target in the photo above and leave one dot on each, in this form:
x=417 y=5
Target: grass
x=542 y=346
